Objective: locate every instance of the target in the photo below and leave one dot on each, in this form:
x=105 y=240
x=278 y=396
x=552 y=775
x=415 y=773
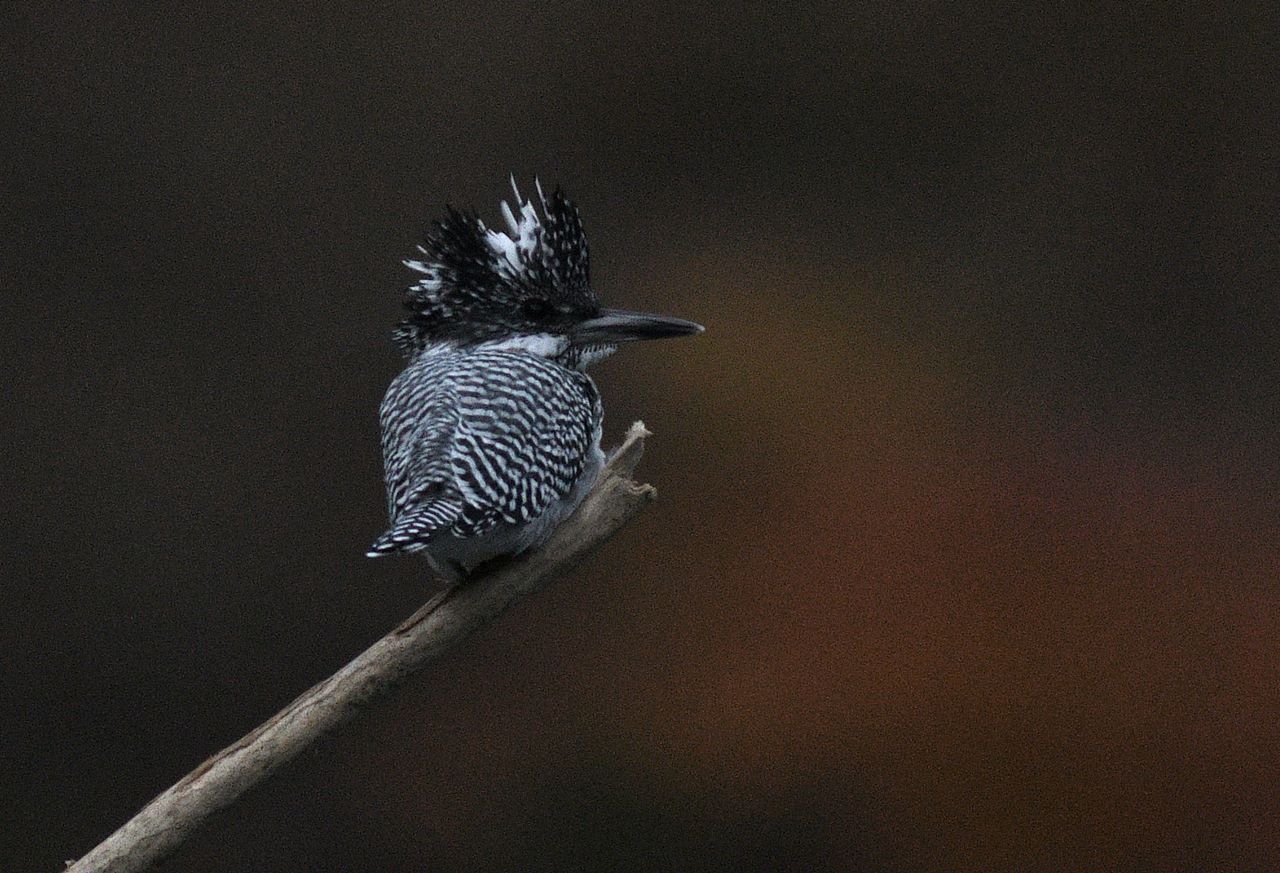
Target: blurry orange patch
x=1031 y=656
x=1023 y=654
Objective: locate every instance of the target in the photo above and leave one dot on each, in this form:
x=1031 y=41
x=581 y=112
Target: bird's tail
x=413 y=529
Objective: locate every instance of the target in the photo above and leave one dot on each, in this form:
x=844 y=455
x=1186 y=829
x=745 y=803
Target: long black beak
x=620 y=326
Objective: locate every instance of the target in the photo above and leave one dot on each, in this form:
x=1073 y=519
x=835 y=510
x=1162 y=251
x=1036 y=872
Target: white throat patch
x=544 y=345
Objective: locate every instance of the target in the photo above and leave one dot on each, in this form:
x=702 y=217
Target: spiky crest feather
x=475 y=280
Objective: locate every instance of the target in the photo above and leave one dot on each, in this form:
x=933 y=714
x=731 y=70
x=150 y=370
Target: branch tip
x=627 y=456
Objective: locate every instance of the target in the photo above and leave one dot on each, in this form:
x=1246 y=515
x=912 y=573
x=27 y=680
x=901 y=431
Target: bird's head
x=528 y=287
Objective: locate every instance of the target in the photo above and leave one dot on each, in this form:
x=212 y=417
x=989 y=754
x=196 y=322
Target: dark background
x=966 y=553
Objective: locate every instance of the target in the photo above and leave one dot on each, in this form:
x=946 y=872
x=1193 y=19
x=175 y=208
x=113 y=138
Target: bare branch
x=166 y=822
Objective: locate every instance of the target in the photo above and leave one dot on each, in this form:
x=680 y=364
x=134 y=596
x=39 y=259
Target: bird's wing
x=525 y=428
x=418 y=418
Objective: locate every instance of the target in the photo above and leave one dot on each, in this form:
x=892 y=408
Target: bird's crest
x=475 y=279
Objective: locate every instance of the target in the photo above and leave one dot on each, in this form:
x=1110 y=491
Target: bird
x=491 y=432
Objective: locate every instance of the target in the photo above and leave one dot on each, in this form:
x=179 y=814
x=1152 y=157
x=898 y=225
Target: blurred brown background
x=966 y=554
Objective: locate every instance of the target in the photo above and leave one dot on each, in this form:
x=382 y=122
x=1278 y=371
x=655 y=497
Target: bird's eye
x=535 y=307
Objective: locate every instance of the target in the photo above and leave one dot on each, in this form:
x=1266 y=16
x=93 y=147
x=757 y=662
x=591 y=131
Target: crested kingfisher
x=491 y=433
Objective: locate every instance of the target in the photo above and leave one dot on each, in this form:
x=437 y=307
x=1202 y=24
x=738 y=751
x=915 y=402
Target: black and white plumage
x=481 y=445
x=491 y=434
